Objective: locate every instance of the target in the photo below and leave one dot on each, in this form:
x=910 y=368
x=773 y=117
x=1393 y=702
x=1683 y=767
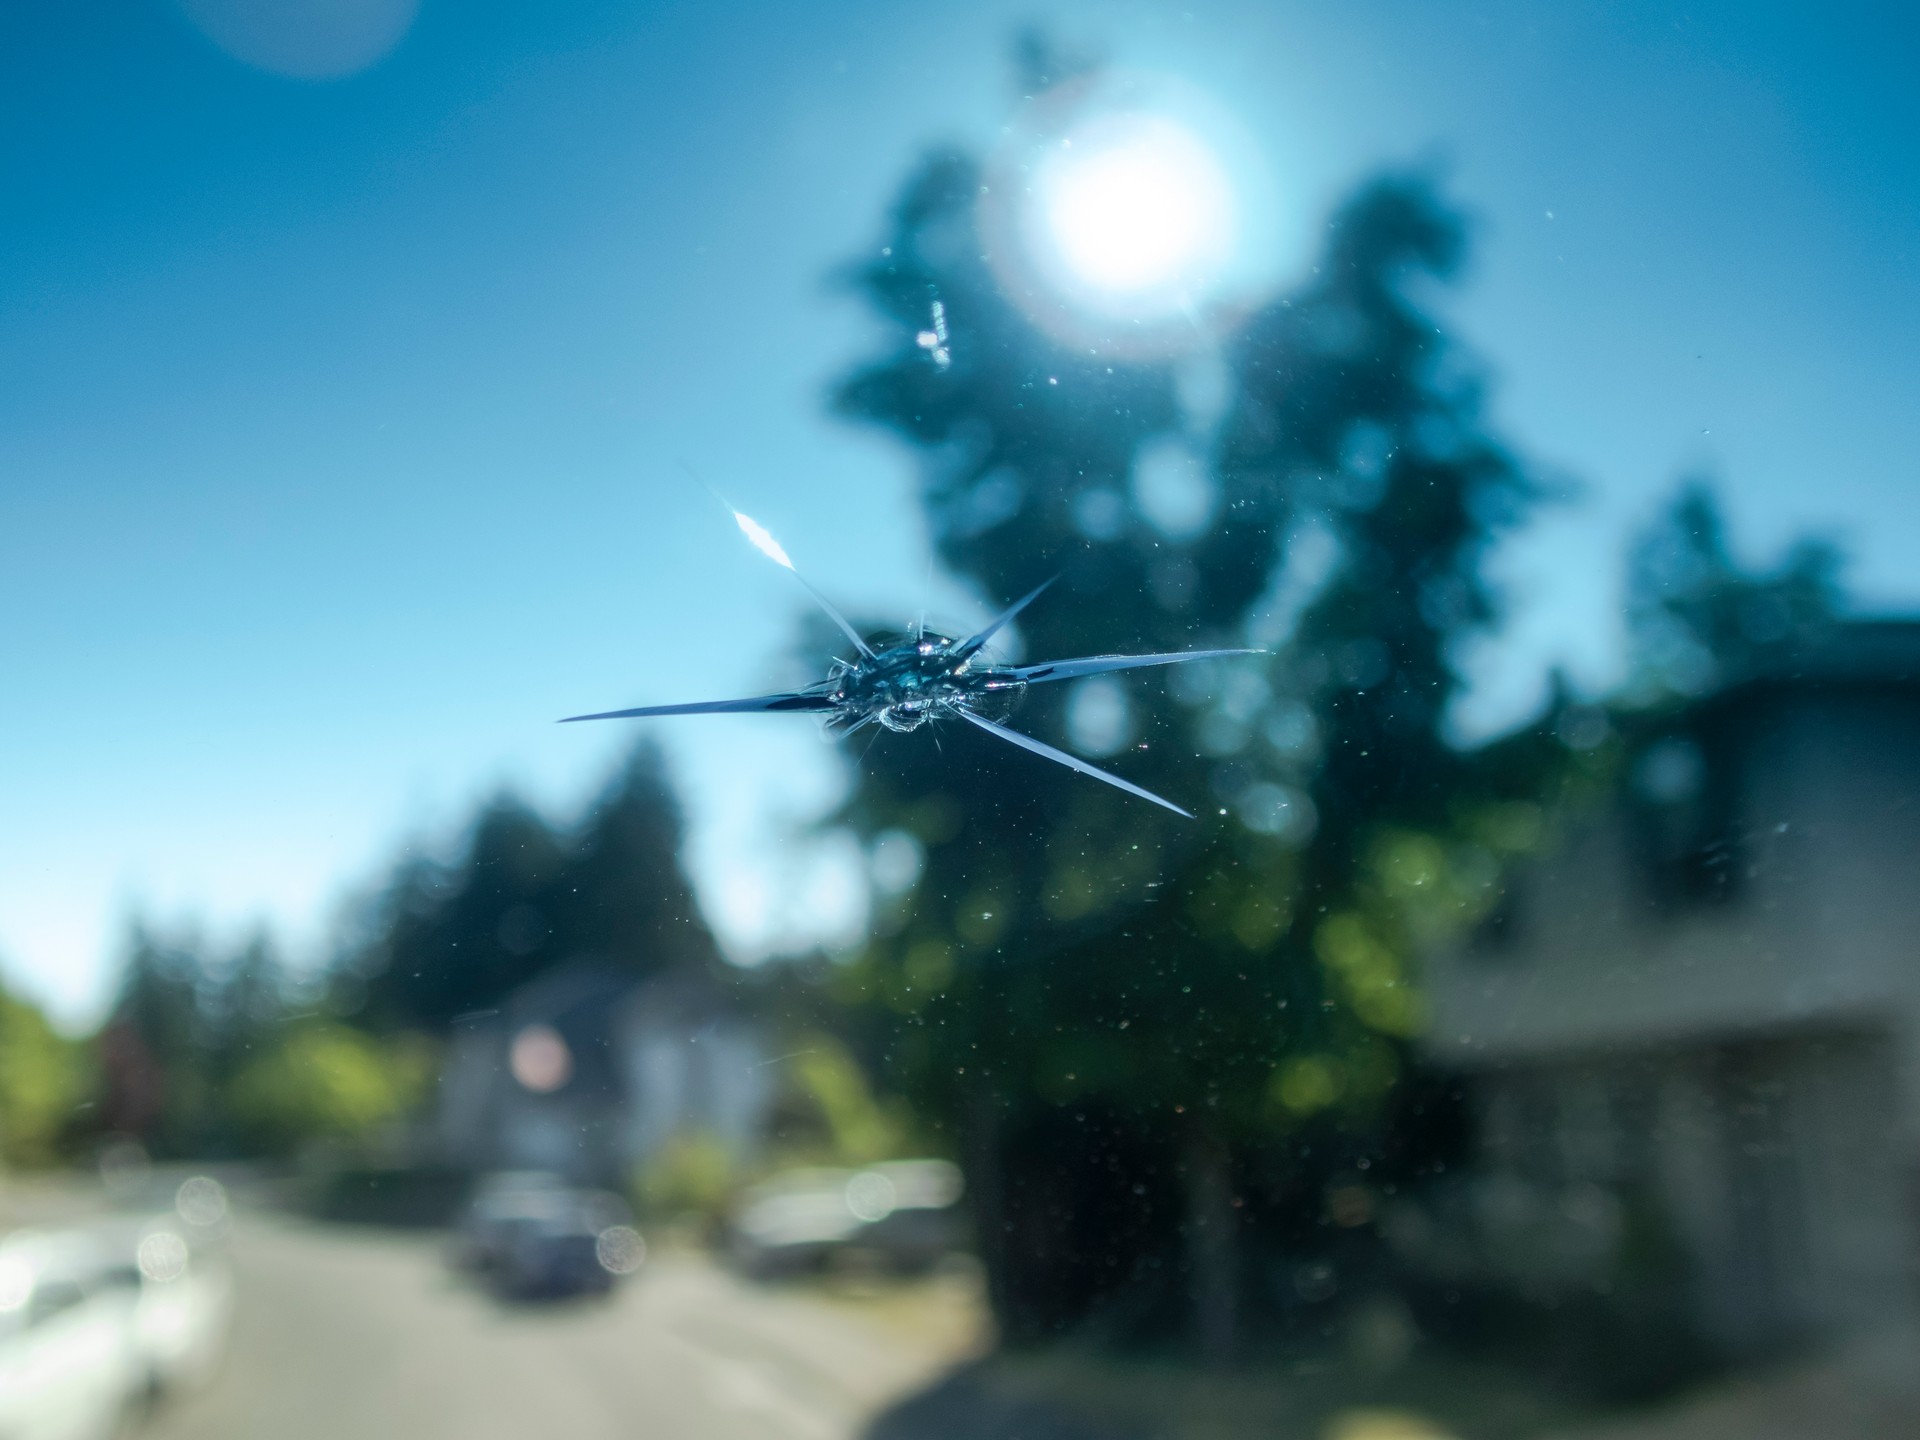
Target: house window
x=1683 y=811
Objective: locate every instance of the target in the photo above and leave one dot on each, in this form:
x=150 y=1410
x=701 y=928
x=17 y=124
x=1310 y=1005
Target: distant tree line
x=444 y=939
x=214 y=1051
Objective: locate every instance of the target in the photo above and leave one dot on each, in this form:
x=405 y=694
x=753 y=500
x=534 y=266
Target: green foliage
x=326 y=1082
x=860 y=1128
x=1036 y=944
x=211 y=1052
x=441 y=940
x=825 y=1113
x=187 y=1020
x=43 y=1075
x=692 y=1174
x=1068 y=951
x=1699 y=620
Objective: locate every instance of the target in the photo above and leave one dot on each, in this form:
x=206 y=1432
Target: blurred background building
x=1693 y=1025
x=587 y=1072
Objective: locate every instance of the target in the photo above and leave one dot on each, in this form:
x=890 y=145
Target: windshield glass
x=959 y=721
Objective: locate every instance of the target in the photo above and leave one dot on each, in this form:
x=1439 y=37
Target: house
x=588 y=1071
x=1698 y=1016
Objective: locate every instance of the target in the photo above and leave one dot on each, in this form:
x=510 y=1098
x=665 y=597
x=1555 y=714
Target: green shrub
x=692 y=1174
x=326 y=1082
x=42 y=1077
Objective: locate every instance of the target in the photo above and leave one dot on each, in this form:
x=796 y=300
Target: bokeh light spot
x=201 y=1200
x=870 y=1196
x=162 y=1256
x=540 y=1060
x=304 y=39
x=620 y=1250
x=1099 y=716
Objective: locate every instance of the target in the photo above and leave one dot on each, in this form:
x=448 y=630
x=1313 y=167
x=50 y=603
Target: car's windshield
x=1241 y=701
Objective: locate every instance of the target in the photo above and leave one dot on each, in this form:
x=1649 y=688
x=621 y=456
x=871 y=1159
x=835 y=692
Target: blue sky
x=340 y=419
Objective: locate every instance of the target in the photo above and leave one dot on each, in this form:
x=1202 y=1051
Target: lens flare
x=1136 y=203
x=1123 y=212
x=762 y=540
x=305 y=39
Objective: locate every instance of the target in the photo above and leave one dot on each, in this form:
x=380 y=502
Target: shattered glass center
x=905 y=685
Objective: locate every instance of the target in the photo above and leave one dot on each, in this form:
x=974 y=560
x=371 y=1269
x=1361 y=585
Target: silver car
x=71 y=1366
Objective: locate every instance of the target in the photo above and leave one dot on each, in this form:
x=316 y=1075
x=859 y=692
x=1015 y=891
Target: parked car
x=531 y=1236
x=904 y=1213
x=184 y=1299
x=71 y=1365
x=497 y=1202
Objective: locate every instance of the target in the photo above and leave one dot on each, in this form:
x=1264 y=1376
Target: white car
x=70 y=1360
x=184 y=1291
x=185 y=1306
x=904 y=1213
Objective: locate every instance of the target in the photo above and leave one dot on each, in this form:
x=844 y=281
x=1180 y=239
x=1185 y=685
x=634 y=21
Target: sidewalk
x=1867 y=1389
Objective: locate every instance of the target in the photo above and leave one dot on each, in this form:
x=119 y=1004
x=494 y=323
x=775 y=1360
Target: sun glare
x=1137 y=207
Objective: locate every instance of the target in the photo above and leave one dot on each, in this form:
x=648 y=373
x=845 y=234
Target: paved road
x=349 y=1333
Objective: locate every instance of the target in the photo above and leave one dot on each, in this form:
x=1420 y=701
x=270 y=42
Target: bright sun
x=1137 y=208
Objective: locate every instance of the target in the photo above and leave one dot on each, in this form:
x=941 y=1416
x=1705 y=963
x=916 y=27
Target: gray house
x=1698 y=1018
x=587 y=1072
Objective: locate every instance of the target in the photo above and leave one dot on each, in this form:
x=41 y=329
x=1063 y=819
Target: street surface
x=342 y=1332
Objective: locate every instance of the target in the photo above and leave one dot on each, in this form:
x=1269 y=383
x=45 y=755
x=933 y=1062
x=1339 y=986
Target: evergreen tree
x=452 y=938
x=1697 y=619
x=187 y=1020
x=153 y=1050
x=243 y=1003
x=444 y=940
x=623 y=895
x=1115 y=1009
